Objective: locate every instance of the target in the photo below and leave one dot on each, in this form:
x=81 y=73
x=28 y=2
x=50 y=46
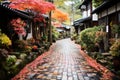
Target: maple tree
x=18 y=25
x=37 y=6
x=39 y=18
x=41 y=6
x=59 y=15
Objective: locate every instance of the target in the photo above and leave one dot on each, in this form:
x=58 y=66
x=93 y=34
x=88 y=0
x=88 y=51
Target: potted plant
x=115 y=52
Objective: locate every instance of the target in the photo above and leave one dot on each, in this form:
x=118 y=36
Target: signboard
x=94 y=17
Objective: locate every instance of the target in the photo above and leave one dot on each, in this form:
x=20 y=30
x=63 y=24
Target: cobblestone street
x=59 y=39
x=64 y=63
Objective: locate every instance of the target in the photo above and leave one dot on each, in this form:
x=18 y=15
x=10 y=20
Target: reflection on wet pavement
x=64 y=63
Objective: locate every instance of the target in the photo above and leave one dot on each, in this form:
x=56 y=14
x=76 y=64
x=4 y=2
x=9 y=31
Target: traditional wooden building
x=7 y=14
x=87 y=20
x=35 y=28
x=40 y=26
x=108 y=15
x=81 y=24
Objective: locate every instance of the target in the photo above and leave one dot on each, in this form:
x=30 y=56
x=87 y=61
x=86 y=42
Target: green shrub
x=87 y=38
x=74 y=36
x=115 y=48
x=20 y=45
x=55 y=34
x=9 y=65
x=10 y=60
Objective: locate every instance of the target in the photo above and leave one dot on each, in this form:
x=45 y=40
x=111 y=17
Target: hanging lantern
x=83 y=7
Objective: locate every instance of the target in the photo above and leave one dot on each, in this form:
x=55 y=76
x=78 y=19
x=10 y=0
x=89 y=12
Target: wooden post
x=50 y=29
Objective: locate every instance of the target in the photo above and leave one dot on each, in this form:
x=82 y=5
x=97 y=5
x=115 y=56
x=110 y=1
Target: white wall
x=84 y=14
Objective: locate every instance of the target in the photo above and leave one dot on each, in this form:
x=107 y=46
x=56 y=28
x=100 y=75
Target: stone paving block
x=80 y=77
x=59 y=77
x=64 y=77
x=49 y=76
x=74 y=73
x=70 y=78
x=31 y=75
x=60 y=71
x=78 y=71
x=86 y=78
x=54 y=77
x=75 y=78
x=91 y=74
x=69 y=74
x=40 y=76
x=69 y=70
x=84 y=73
x=64 y=73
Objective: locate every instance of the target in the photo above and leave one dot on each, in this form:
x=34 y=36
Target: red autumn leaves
x=41 y=6
x=18 y=25
x=106 y=74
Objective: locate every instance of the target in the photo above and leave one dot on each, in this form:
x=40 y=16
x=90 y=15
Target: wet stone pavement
x=64 y=63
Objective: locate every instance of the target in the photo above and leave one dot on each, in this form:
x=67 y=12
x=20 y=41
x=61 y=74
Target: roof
x=45 y=16
x=83 y=3
x=106 y=4
x=77 y=22
x=13 y=12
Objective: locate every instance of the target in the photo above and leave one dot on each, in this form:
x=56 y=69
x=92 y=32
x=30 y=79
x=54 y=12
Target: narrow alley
x=59 y=39
x=64 y=62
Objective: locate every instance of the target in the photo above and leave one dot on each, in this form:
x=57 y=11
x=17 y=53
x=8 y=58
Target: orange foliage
x=36 y=5
x=59 y=15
